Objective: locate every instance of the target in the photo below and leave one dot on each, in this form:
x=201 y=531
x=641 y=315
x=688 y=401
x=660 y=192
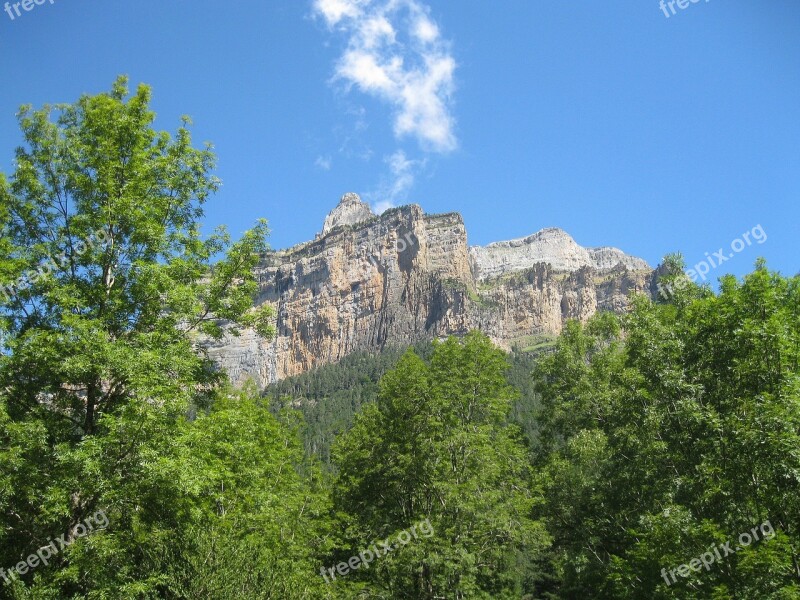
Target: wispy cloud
x=352 y=136
x=403 y=172
x=381 y=206
x=395 y=52
x=324 y=162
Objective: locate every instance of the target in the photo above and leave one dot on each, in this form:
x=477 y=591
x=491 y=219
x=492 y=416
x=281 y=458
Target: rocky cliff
x=366 y=282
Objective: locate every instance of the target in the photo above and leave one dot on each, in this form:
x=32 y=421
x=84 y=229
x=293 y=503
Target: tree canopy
x=670 y=431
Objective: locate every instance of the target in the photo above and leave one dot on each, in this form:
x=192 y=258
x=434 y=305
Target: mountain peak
x=350 y=198
x=350 y=210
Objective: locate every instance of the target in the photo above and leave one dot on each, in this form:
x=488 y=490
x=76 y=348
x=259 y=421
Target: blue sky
x=621 y=125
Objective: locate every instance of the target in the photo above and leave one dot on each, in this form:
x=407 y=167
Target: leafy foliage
x=677 y=435
x=111 y=285
x=330 y=396
x=437 y=445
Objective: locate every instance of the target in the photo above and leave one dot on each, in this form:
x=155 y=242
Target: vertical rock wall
x=406 y=276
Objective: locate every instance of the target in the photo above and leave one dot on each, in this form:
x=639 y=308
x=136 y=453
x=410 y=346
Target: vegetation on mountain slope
x=330 y=396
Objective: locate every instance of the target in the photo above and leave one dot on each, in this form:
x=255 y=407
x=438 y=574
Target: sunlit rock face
x=350 y=211
x=367 y=282
x=552 y=246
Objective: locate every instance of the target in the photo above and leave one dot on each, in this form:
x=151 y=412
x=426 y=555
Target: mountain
x=367 y=282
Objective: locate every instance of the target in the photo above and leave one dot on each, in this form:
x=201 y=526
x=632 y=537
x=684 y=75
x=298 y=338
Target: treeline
x=329 y=397
x=654 y=454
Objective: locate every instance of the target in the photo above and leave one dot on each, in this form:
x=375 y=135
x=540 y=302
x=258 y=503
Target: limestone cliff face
x=367 y=282
x=552 y=246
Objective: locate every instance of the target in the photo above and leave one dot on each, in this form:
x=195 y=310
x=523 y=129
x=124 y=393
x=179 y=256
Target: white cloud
x=395 y=188
x=376 y=30
x=324 y=162
x=335 y=10
x=425 y=30
x=361 y=66
x=382 y=206
x=402 y=170
x=415 y=77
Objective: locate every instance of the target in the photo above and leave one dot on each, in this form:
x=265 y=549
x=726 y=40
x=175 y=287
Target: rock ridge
x=369 y=281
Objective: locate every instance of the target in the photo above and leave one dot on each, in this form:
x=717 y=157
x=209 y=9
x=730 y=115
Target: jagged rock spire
x=350 y=210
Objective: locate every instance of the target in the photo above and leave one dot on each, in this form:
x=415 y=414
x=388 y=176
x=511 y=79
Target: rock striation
x=367 y=282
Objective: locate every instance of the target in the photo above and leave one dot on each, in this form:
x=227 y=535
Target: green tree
x=259 y=527
x=437 y=446
x=109 y=287
x=672 y=431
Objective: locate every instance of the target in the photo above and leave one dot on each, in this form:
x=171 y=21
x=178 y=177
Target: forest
x=650 y=454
